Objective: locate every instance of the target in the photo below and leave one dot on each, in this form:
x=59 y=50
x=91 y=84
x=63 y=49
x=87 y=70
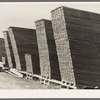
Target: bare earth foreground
x=8 y=81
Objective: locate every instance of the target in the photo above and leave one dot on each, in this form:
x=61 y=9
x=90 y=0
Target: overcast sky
x=25 y=14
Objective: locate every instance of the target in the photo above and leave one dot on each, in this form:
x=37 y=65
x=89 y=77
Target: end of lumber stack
x=47 y=50
x=77 y=36
x=9 y=51
x=23 y=40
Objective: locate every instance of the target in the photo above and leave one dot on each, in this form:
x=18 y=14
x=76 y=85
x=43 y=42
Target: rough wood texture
x=31 y=61
x=47 y=50
x=62 y=44
x=9 y=52
x=24 y=41
x=81 y=30
x=2 y=49
x=29 y=66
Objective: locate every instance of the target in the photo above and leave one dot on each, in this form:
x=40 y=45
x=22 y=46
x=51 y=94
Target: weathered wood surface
x=31 y=61
x=9 y=52
x=29 y=66
x=80 y=30
x=24 y=41
x=47 y=50
x=3 y=52
x=2 y=48
x=62 y=44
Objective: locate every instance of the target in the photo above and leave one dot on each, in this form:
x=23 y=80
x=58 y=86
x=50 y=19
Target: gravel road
x=8 y=81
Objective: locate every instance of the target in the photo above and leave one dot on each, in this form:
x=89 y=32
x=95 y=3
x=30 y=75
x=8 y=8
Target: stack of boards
x=47 y=50
x=23 y=41
x=2 y=51
x=9 y=51
x=67 y=48
x=77 y=36
x=32 y=63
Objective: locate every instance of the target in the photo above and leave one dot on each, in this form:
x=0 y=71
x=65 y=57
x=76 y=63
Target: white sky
x=25 y=14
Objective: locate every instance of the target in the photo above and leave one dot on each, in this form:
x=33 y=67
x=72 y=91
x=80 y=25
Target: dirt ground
x=8 y=81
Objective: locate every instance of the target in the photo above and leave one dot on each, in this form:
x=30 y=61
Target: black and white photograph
x=50 y=46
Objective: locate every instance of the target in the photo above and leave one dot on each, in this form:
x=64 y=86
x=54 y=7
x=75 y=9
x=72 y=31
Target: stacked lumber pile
x=31 y=69
x=24 y=41
x=29 y=66
x=62 y=44
x=77 y=36
x=2 y=49
x=84 y=44
x=9 y=51
x=47 y=50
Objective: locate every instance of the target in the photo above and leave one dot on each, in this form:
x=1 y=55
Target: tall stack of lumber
x=47 y=50
x=62 y=44
x=24 y=41
x=9 y=51
x=2 y=49
x=77 y=36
